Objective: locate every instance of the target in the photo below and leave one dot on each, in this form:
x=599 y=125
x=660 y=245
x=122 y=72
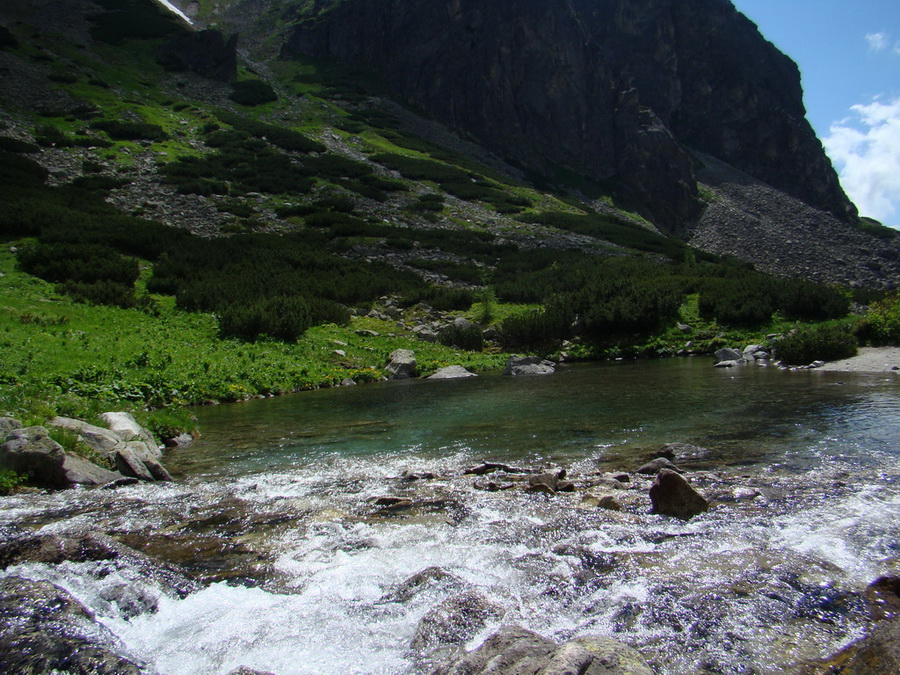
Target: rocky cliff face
x=618 y=90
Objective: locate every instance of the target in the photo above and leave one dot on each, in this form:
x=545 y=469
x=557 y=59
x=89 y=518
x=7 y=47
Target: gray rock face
x=529 y=365
x=401 y=365
x=672 y=495
x=514 y=651
x=452 y=373
x=8 y=424
x=614 y=89
x=82 y=472
x=44 y=629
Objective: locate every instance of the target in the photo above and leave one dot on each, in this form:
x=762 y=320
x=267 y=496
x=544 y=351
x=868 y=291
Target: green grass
x=59 y=357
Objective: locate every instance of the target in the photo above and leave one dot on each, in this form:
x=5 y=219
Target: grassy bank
x=62 y=357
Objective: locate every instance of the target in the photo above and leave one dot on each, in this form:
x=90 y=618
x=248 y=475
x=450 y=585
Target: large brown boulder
x=672 y=495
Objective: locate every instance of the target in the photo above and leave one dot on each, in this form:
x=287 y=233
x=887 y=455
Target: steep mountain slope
x=522 y=150
x=613 y=89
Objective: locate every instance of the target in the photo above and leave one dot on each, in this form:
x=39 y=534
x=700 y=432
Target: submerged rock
x=430 y=577
x=672 y=495
x=44 y=629
x=514 y=651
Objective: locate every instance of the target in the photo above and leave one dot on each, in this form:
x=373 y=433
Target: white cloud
x=877 y=41
x=866 y=151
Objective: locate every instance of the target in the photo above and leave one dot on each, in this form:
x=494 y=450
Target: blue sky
x=849 y=56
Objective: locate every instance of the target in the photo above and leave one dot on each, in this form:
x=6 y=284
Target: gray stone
x=529 y=365
x=729 y=355
x=430 y=577
x=672 y=495
x=126 y=427
x=79 y=471
x=425 y=333
x=182 y=440
x=728 y=364
x=452 y=373
x=515 y=651
x=401 y=364
x=150 y=459
x=130 y=464
x=8 y=424
x=103 y=441
x=44 y=629
x=607 y=502
x=32 y=453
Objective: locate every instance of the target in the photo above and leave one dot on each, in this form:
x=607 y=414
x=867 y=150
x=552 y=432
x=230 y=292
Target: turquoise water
x=614 y=412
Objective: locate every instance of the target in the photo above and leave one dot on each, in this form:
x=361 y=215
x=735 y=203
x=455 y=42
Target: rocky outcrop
x=44 y=629
x=31 y=452
x=513 y=650
x=616 y=90
x=127 y=445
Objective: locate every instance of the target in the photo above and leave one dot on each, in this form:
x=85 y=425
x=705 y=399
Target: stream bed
x=326 y=527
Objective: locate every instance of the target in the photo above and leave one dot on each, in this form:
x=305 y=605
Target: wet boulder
x=44 y=629
x=529 y=365
x=550 y=483
x=729 y=355
x=401 y=365
x=429 y=578
x=19 y=546
x=672 y=495
x=454 y=621
x=513 y=650
x=683 y=452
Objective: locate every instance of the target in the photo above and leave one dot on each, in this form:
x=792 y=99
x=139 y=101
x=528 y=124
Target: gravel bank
x=869 y=360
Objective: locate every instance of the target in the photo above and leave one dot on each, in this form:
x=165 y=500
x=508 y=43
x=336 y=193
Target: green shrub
x=468 y=337
x=86 y=263
x=881 y=324
x=103 y=292
x=824 y=342
x=9 y=481
x=252 y=93
x=120 y=130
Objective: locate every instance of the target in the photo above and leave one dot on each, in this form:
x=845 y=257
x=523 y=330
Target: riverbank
x=868 y=360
